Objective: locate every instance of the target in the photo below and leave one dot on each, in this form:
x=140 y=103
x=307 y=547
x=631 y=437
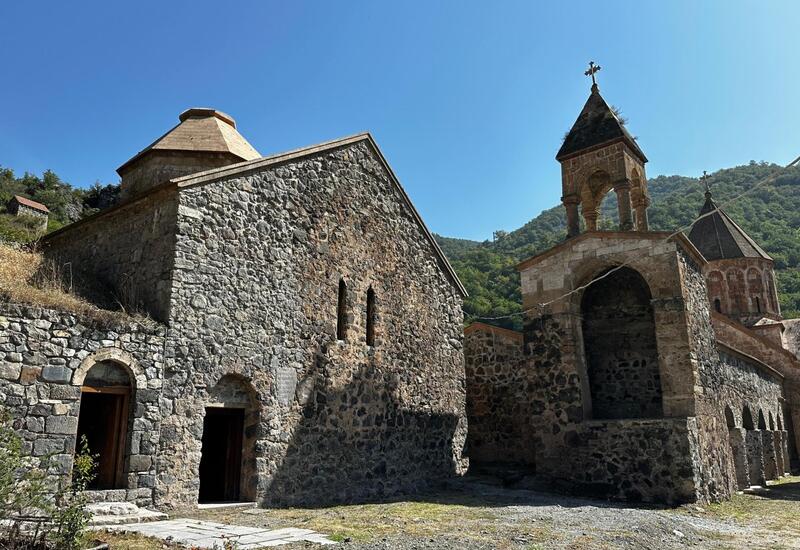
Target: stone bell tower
x=599 y=155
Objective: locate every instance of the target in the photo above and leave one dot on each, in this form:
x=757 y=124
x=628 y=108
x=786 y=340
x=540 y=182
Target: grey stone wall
x=258 y=262
x=497 y=409
x=123 y=256
x=44 y=357
x=716 y=475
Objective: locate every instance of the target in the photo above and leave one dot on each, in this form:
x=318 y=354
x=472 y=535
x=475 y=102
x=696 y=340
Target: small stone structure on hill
x=651 y=366
x=310 y=340
x=25 y=207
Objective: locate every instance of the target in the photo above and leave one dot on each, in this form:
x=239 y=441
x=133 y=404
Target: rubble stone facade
x=265 y=279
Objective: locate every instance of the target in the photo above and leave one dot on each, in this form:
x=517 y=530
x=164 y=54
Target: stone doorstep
x=215 y=505
x=120 y=513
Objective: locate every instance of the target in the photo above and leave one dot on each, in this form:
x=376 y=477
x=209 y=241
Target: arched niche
x=730 y=421
x=621 y=353
x=762 y=423
x=747 y=419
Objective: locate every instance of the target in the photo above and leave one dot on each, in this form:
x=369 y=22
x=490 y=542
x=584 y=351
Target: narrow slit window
x=717 y=305
x=758 y=304
x=370 y=317
x=341 y=312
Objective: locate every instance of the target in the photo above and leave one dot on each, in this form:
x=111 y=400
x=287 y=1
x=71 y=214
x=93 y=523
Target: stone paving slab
x=209 y=534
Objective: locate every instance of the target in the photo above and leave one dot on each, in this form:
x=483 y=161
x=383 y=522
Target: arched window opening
x=762 y=424
x=103 y=421
x=771 y=421
x=729 y=420
x=717 y=305
x=755 y=285
x=341 y=312
x=370 y=317
x=620 y=347
x=747 y=419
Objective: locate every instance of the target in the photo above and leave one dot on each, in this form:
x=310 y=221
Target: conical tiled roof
x=597 y=124
x=201 y=130
x=718 y=237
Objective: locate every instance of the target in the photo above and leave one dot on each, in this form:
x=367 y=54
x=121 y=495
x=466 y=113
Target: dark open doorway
x=221 y=461
x=103 y=420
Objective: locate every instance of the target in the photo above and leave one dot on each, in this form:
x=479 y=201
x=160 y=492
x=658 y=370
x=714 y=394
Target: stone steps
x=120 y=513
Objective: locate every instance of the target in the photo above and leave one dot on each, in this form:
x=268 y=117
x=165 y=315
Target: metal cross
x=704 y=178
x=592 y=69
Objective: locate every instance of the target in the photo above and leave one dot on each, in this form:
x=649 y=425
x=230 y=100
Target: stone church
x=307 y=344
x=652 y=366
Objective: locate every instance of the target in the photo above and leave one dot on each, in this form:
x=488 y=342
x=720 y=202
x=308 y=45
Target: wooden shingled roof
x=201 y=130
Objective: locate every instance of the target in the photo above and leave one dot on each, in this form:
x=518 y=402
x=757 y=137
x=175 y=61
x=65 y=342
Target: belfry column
x=641 y=214
x=571 y=203
x=623 y=191
x=590 y=215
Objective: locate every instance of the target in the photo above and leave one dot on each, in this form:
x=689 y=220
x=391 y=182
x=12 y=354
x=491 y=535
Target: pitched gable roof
x=202 y=178
x=718 y=237
x=201 y=130
x=596 y=125
x=30 y=204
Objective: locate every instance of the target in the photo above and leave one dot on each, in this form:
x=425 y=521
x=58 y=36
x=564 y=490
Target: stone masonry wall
x=496 y=388
x=124 y=255
x=715 y=477
x=603 y=456
x=258 y=262
x=44 y=356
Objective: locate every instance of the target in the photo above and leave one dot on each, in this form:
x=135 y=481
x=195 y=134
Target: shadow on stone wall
x=355 y=441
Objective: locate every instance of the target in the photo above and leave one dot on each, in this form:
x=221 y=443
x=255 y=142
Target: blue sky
x=468 y=100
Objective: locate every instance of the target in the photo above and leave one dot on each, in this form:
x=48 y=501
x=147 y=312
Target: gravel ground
x=475 y=514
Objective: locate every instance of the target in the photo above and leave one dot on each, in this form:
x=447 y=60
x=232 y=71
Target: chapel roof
x=597 y=124
x=718 y=237
x=30 y=204
x=201 y=130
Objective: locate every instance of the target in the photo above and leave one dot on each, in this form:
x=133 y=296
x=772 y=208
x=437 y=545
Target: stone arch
x=115 y=355
x=755 y=290
x=762 y=423
x=747 y=419
x=228 y=467
x=108 y=380
x=621 y=354
x=716 y=290
x=736 y=290
x=736 y=441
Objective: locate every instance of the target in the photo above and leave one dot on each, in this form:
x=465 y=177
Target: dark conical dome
x=597 y=124
x=718 y=237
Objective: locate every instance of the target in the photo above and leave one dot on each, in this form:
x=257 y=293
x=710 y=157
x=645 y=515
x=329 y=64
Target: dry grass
x=26 y=278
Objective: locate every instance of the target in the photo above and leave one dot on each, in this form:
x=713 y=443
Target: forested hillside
x=65 y=202
x=770 y=214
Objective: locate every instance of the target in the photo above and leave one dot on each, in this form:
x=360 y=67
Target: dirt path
x=473 y=514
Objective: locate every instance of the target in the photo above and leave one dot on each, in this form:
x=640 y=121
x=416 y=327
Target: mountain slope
x=770 y=214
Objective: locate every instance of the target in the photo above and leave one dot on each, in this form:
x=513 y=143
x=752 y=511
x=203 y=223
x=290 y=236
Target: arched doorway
x=620 y=347
x=228 y=470
x=103 y=421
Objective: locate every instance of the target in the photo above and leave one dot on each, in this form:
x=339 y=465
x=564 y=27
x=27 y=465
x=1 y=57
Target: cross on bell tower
x=591 y=72
x=704 y=179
